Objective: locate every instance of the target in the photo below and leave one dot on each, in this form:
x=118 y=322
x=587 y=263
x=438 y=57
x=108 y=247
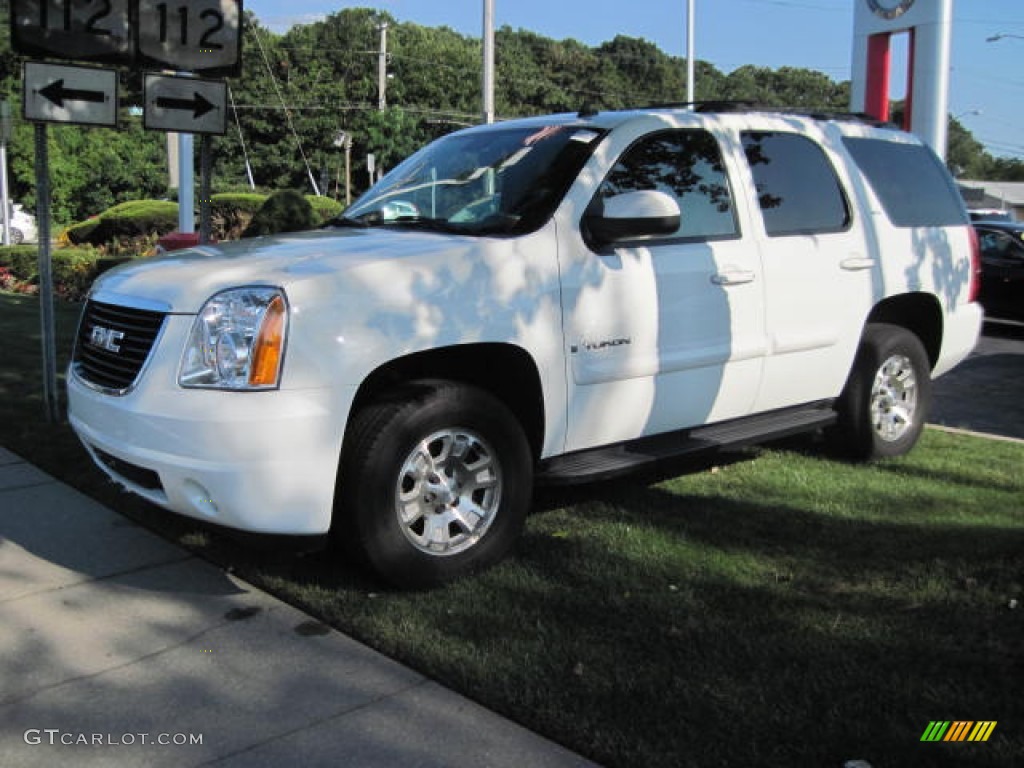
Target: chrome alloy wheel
x=894 y=398
x=448 y=492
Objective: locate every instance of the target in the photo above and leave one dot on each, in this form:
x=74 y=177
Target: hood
x=182 y=281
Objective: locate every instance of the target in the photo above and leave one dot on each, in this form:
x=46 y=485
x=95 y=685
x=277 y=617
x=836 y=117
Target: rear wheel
x=885 y=403
x=435 y=483
x=17 y=236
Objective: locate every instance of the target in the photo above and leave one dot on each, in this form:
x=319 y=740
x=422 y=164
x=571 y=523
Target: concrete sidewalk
x=113 y=640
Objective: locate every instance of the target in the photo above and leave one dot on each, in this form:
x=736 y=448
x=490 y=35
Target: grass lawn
x=778 y=609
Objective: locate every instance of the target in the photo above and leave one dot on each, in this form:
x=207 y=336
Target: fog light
x=200 y=499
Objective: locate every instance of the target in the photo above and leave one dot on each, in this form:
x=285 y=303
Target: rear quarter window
x=911 y=183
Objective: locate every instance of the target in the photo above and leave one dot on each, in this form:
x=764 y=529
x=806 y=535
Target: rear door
x=818 y=269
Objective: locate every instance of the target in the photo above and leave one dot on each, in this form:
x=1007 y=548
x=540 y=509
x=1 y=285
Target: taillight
x=974 y=286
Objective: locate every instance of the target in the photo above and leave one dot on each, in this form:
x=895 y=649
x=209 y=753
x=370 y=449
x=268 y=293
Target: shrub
x=80 y=232
x=284 y=211
x=324 y=208
x=74 y=270
x=231 y=213
x=22 y=261
x=137 y=219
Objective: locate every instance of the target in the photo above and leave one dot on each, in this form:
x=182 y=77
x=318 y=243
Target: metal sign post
x=50 y=402
x=196 y=36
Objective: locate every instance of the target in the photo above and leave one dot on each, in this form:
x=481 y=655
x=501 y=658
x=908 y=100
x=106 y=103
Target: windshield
x=505 y=181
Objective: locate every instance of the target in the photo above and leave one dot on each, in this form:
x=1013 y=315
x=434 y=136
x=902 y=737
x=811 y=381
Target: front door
x=667 y=332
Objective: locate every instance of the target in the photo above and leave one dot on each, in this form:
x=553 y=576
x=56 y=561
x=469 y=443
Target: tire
x=17 y=236
x=435 y=483
x=885 y=403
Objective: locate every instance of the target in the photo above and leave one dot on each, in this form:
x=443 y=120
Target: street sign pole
x=49 y=343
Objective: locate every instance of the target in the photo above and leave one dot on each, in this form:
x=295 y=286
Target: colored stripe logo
x=959 y=730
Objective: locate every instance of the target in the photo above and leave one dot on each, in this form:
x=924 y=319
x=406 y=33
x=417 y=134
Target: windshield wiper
x=344 y=221
x=425 y=222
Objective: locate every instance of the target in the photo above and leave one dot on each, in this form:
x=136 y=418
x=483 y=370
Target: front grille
x=113 y=344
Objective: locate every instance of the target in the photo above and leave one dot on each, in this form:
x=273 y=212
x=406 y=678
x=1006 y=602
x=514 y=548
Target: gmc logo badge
x=105 y=338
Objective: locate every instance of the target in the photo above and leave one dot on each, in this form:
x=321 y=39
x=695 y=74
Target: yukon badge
x=105 y=338
x=597 y=346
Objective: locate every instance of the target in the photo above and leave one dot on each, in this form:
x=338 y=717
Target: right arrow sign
x=185 y=104
x=197 y=105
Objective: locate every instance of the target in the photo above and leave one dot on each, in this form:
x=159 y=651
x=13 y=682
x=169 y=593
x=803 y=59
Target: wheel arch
x=506 y=371
x=919 y=313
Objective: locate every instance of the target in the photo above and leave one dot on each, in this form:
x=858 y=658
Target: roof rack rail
x=741 y=106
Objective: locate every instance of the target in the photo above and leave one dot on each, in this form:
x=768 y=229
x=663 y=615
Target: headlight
x=237 y=341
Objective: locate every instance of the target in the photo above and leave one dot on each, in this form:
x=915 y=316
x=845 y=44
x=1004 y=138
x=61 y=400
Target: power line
x=287 y=114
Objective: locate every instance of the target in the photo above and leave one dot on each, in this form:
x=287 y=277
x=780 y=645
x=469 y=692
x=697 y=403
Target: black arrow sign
x=56 y=94
x=199 y=105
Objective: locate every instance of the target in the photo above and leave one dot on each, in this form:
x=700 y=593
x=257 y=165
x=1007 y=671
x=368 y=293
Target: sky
x=987 y=81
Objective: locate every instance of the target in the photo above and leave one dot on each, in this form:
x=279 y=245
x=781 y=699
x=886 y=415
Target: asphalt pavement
x=118 y=648
x=985 y=393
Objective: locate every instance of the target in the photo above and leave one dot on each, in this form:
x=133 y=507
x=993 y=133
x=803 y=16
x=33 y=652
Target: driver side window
x=686 y=164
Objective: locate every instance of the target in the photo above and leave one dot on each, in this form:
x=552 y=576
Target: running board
x=611 y=460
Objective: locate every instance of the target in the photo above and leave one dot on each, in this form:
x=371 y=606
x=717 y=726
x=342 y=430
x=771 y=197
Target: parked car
x=551 y=299
x=1002 y=268
x=989 y=214
x=23 y=225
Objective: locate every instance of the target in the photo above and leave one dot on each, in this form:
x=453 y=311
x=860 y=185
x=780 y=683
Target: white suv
x=555 y=298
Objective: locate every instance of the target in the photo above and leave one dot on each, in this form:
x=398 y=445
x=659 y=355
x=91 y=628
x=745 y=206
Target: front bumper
x=262 y=462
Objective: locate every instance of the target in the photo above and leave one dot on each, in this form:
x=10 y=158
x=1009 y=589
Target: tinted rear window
x=910 y=181
x=797 y=188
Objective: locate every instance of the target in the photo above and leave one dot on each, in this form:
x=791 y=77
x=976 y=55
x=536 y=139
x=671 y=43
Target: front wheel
x=435 y=483
x=885 y=403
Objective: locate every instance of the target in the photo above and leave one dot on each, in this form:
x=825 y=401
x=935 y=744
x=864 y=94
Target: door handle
x=733 y=277
x=856 y=263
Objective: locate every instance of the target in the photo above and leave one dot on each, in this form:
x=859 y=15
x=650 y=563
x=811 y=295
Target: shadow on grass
x=736 y=634
x=644 y=627
x=708 y=662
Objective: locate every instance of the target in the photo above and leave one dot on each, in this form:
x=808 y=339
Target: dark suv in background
x=1002 y=267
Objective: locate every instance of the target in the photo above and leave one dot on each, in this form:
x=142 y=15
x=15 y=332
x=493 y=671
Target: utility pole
x=488 y=63
x=5 y=136
x=382 y=68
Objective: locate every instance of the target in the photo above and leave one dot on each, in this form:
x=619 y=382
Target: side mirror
x=632 y=215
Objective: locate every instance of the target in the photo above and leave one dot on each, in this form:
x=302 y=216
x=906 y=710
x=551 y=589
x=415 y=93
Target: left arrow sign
x=62 y=94
x=57 y=93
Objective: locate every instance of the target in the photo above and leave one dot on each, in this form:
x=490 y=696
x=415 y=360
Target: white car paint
x=628 y=343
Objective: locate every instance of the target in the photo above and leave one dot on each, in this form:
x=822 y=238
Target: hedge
x=74 y=270
x=132 y=227
x=324 y=208
x=231 y=213
x=135 y=219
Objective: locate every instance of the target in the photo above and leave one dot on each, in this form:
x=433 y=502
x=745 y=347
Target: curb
x=972 y=433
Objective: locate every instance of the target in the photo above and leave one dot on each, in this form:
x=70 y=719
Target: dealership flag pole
x=690 y=63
